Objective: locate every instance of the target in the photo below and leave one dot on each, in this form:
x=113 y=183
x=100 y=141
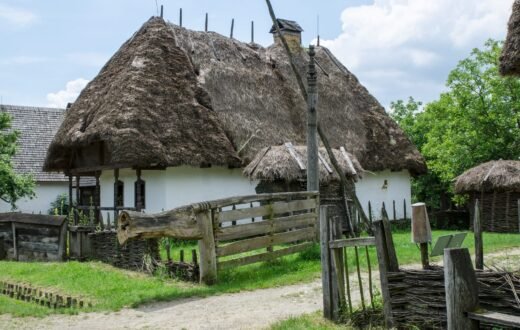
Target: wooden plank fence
x=233 y=231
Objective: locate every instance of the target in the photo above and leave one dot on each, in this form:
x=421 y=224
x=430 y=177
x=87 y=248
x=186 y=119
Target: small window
x=140 y=194
x=119 y=193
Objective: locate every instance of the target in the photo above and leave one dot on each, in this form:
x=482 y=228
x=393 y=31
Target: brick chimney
x=292 y=32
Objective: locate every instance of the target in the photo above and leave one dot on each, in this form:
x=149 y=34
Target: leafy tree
x=476 y=120
x=13 y=186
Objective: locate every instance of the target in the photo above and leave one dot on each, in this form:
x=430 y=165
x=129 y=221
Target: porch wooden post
x=207 y=249
x=78 y=197
x=97 y=198
x=137 y=191
x=70 y=195
x=116 y=179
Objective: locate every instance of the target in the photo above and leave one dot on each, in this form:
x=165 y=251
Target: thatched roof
x=145 y=108
x=499 y=175
x=277 y=163
x=250 y=88
x=510 y=58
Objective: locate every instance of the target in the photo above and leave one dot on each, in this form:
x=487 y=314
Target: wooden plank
x=265 y=241
x=254 y=198
x=208 y=258
x=495 y=318
x=461 y=289
x=263 y=256
x=324 y=162
x=351 y=242
x=349 y=161
x=295 y=155
x=264 y=227
x=337 y=272
x=267 y=210
x=326 y=264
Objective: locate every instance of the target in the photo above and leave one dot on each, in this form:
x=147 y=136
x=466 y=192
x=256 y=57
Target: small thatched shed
x=496 y=184
x=284 y=168
x=510 y=58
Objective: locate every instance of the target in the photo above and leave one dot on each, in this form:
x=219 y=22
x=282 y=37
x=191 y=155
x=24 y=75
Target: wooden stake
x=161 y=11
x=252 y=32
x=232 y=27
x=206 y=23
x=180 y=17
x=360 y=282
x=369 y=278
x=207 y=249
x=477 y=231
x=347 y=276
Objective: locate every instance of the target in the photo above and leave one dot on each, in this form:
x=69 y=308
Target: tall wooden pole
x=180 y=17
x=323 y=137
x=232 y=27
x=206 y=24
x=313 y=179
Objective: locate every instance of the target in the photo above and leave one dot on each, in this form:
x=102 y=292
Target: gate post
x=208 y=256
x=326 y=264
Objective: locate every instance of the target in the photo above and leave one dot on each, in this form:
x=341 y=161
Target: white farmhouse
x=176 y=115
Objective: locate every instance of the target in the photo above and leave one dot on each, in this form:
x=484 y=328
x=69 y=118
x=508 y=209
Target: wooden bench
x=495 y=318
x=462 y=301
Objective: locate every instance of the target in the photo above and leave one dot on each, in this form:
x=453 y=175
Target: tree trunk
x=179 y=223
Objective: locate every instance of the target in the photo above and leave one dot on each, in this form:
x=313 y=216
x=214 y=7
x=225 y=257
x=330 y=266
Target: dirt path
x=244 y=310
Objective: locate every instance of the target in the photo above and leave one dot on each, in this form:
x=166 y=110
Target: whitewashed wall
x=46 y=193
x=398 y=188
x=176 y=186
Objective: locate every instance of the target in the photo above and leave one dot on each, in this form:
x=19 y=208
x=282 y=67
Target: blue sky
x=397 y=48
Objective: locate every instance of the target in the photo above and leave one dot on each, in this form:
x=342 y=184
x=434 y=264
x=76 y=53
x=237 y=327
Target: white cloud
x=16 y=16
x=422 y=40
x=69 y=94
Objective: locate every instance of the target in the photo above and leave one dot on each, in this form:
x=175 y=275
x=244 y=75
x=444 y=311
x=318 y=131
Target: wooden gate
x=337 y=256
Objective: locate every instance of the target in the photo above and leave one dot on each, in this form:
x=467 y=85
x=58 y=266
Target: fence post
x=461 y=289
x=325 y=262
x=207 y=250
x=477 y=231
x=383 y=261
x=337 y=271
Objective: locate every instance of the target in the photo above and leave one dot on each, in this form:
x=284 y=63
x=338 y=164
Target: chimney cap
x=286 y=25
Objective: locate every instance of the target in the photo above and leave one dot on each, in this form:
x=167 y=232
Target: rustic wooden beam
x=351 y=242
x=494 y=318
x=207 y=248
x=384 y=267
x=461 y=289
x=179 y=223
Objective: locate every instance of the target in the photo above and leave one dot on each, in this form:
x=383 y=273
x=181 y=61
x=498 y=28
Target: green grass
x=110 y=288
x=307 y=321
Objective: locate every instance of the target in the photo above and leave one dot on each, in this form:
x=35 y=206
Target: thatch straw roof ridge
x=510 y=58
x=147 y=109
x=276 y=163
x=152 y=104
x=253 y=88
x=499 y=175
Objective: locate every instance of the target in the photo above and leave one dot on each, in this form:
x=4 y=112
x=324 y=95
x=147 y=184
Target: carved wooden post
x=477 y=231
x=208 y=256
x=313 y=180
x=461 y=289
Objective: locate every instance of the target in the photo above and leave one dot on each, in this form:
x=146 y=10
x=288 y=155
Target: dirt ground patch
x=244 y=310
